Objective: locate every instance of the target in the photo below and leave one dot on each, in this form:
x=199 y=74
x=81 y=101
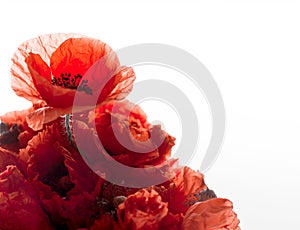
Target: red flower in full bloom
x=51 y=69
x=124 y=132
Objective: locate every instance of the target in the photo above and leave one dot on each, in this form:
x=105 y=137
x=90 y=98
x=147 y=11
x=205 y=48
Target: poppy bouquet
x=48 y=181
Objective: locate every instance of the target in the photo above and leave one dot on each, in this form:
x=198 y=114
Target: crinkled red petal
x=212 y=214
x=77 y=55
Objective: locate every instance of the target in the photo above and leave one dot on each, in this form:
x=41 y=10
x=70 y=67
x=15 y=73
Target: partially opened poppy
x=128 y=137
x=145 y=209
x=129 y=168
x=142 y=210
x=51 y=69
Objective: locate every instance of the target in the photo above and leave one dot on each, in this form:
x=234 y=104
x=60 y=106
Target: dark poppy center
x=67 y=80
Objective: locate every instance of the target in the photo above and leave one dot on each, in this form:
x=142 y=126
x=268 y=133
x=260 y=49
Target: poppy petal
x=15 y=117
x=76 y=55
x=184 y=190
x=38 y=118
x=119 y=86
x=6 y=158
x=79 y=172
x=38 y=64
x=142 y=210
x=190 y=181
x=212 y=214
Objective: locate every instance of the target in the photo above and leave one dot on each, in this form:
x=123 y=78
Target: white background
x=252 y=48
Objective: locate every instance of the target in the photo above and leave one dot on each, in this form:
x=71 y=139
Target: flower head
x=124 y=132
x=51 y=69
x=142 y=210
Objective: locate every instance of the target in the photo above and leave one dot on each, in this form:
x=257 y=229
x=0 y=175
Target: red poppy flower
x=65 y=184
x=19 y=205
x=49 y=69
x=214 y=214
x=109 y=219
x=126 y=135
x=145 y=209
x=86 y=140
x=142 y=210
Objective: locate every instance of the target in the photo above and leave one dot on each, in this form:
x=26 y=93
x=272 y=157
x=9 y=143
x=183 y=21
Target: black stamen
x=66 y=80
